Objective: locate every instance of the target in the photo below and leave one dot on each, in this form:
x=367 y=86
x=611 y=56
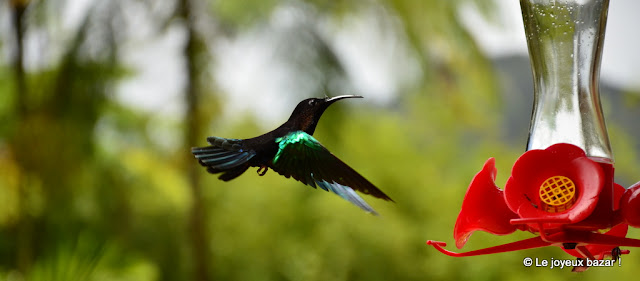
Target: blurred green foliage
x=89 y=192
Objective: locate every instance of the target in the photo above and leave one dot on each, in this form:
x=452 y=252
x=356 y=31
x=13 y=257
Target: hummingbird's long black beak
x=334 y=99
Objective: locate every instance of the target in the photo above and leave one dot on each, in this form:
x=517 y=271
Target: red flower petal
x=483 y=207
x=534 y=167
x=630 y=205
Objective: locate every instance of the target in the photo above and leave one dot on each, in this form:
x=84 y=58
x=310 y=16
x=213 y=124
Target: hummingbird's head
x=309 y=111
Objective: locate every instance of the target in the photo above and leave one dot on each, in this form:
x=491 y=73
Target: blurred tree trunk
x=18 y=8
x=24 y=227
x=197 y=223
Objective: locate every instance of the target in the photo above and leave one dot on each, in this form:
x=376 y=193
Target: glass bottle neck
x=565 y=39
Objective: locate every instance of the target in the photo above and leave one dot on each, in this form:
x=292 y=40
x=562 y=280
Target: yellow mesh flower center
x=557 y=193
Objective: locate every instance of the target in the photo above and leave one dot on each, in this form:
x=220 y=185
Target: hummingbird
x=291 y=151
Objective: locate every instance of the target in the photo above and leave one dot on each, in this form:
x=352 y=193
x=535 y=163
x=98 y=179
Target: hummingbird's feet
x=262 y=170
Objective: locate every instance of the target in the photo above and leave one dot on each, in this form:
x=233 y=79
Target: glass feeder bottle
x=565 y=40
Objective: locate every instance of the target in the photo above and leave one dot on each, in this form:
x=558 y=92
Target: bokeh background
x=100 y=102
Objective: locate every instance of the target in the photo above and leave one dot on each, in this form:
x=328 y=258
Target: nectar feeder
x=561 y=189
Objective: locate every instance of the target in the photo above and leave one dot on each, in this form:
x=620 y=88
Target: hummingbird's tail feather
x=223 y=155
x=211 y=157
x=230 y=174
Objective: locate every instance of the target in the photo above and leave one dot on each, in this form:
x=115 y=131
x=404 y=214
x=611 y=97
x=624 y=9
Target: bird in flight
x=291 y=151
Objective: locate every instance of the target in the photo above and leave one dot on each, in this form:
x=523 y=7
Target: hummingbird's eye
x=312 y=102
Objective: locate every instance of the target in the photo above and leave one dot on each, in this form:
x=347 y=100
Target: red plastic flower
x=559 y=184
x=560 y=193
x=483 y=207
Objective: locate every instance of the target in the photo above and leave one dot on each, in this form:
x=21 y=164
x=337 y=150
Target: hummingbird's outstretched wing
x=224 y=155
x=302 y=157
